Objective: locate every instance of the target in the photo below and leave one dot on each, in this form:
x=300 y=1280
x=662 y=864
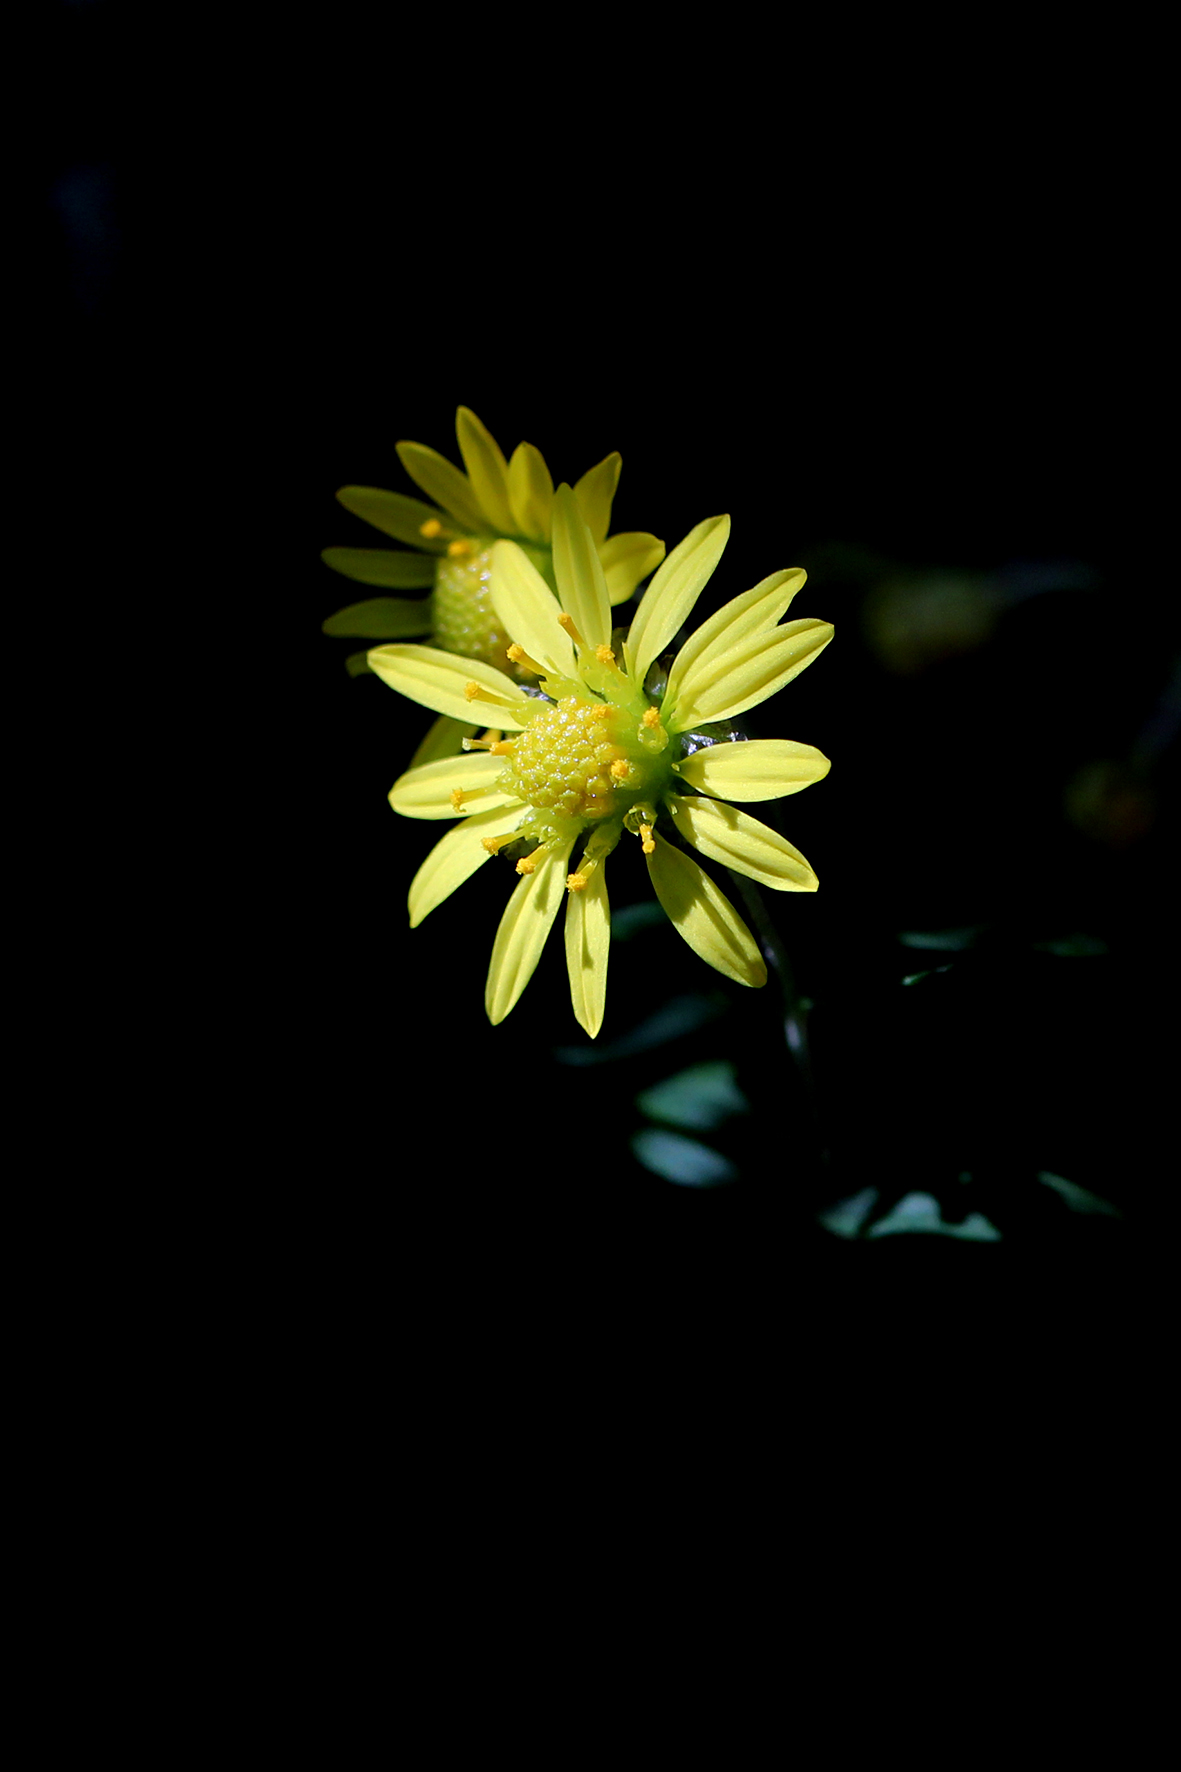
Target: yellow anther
x=576 y=882
x=650 y=718
x=647 y=841
x=621 y=769
x=567 y=622
x=519 y=656
x=473 y=691
x=601 y=711
x=604 y=655
x=528 y=863
x=459 y=549
x=504 y=747
x=457 y=798
x=431 y=528
x=492 y=844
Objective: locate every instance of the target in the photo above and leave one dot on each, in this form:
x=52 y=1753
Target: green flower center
x=584 y=760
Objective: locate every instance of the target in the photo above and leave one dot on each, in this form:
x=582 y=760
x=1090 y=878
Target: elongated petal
x=444 y=738
x=438 y=680
x=382 y=618
x=426 y=792
x=394 y=514
x=751 y=671
x=704 y=916
x=626 y=559
x=671 y=595
x=456 y=858
x=528 y=609
x=579 y=573
x=595 y=492
x=723 y=833
x=759 y=608
x=382 y=566
x=530 y=492
x=588 y=941
x=444 y=483
x=487 y=470
x=528 y=918
x=760 y=769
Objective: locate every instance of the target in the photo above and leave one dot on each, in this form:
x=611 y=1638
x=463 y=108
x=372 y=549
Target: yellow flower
x=454 y=536
x=598 y=750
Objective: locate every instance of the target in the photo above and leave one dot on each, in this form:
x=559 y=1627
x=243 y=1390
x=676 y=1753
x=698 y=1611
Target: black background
x=891 y=345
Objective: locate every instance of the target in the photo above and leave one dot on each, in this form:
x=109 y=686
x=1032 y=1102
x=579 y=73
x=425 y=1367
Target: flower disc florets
x=584 y=759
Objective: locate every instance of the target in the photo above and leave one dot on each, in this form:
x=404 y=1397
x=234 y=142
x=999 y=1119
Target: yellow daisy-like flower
x=453 y=539
x=599 y=749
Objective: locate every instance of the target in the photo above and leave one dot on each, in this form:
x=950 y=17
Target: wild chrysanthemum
x=453 y=538
x=599 y=748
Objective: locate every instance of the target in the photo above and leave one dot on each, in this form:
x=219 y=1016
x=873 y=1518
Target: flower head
x=452 y=539
x=598 y=750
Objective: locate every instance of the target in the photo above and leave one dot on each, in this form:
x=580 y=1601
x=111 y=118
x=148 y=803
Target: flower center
x=583 y=760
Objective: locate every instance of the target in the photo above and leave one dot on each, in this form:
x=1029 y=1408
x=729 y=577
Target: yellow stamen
x=491 y=742
x=528 y=863
x=431 y=528
x=647 y=841
x=601 y=712
x=567 y=622
x=457 y=798
x=576 y=882
x=621 y=769
x=519 y=656
x=492 y=844
x=473 y=691
x=604 y=655
x=651 y=718
x=504 y=747
x=458 y=550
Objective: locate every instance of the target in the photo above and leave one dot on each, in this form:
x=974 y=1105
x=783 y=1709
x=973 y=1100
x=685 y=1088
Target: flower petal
x=445 y=484
x=704 y=916
x=730 y=682
x=444 y=738
x=588 y=941
x=382 y=566
x=723 y=833
x=530 y=492
x=626 y=559
x=759 y=608
x=456 y=857
x=529 y=610
x=425 y=792
x=760 y=769
x=671 y=595
x=438 y=680
x=486 y=467
x=394 y=514
x=595 y=491
x=581 y=584
x=382 y=618
x=527 y=920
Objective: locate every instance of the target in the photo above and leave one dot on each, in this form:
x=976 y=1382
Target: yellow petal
x=444 y=738
x=595 y=491
x=528 y=609
x=527 y=920
x=530 y=492
x=426 y=792
x=760 y=769
x=487 y=470
x=581 y=584
x=671 y=595
x=588 y=941
x=733 y=681
x=438 y=680
x=394 y=514
x=445 y=484
x=456 y=858
x=704 y=916
x=723 y=833
x=382 y=618
x=759 y=608
x=626 y=559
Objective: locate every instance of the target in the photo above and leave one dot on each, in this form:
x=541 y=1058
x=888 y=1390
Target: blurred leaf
x=949 y=940
x=1072 y=945
x=913 y=977
x=634 y=918
x=702 y=1096
x=684 y=1015
x=682 y=1160
x=1078 y=1198
x=846 y=1218
x=920 y=1212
